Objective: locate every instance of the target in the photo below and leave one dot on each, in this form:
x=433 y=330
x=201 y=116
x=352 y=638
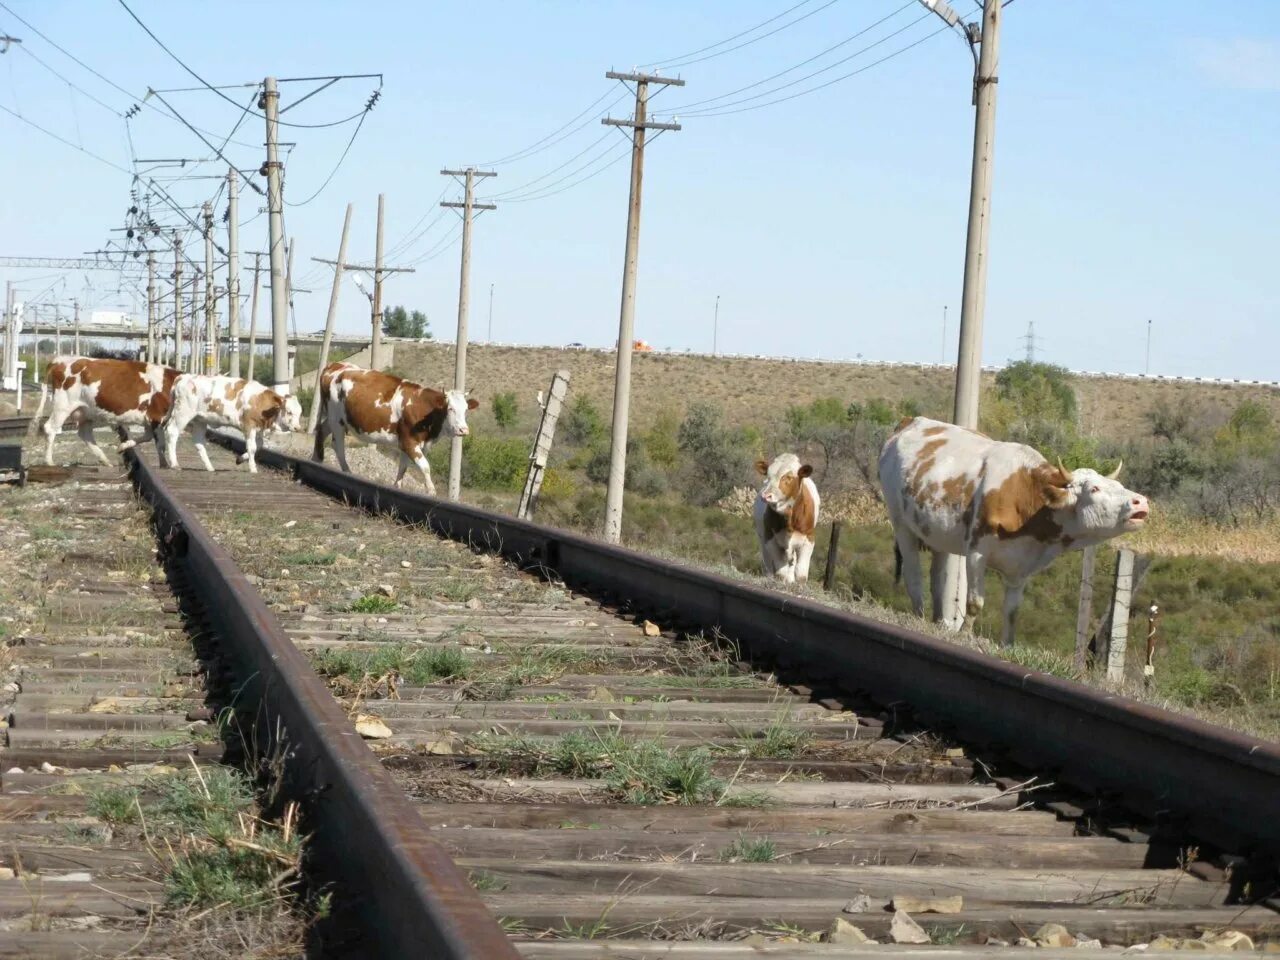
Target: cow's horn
x=1115 y=474
x=1063 y=470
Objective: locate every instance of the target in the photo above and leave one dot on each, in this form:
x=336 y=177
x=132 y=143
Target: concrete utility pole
x=151 y=308
x=715 y=326
x=542 y=443
x=375 y=339
x=9 y=358
x=233 y=270
x=639 y=125
x=314 y=413
x=253 y=315
x=76 y=305
x=57 y=331
x=1147 y=369
x=269 y=102
x=210 y=325
x=489 y=336
x=974 y=294
x=944 y=333
x=468 y=205
x=35 y=347
x=177 y=301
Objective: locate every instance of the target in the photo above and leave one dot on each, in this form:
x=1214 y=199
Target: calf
x=999 y=505
x=201 y=401
x=388 y=411
x=786 y=514
x=119 y=393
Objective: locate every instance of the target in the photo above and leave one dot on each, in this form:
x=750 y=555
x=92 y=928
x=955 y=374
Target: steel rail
x=411 y=897
x=1213 y=783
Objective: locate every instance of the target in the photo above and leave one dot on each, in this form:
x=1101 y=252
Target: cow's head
x=782 y=479
x=1103 y=506
x=282 y=414
x=457 y=403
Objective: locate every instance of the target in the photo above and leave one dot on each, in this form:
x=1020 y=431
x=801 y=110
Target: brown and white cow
x=388 y=411
x=91 y=392
x=999 y=505
x=201 y=401
x=786 y=515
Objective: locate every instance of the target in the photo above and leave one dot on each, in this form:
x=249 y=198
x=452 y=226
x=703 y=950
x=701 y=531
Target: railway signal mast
x=984 y=44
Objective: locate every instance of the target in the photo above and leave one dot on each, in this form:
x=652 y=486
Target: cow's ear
x=1055 y=485
x=269 y=415
x=472 y=403
x=762 y=467
x=805 y=471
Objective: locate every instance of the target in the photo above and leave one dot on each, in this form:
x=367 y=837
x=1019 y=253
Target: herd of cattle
x=949 y=490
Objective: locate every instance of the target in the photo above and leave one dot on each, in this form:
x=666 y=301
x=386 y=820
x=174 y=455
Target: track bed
x=611 y=786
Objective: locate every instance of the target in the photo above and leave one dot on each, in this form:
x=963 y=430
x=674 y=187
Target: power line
x=530 y=150
x=50 y=133
x=747 y=43
x=542 y=193
x=803 y=63
x=720 y=43
x=105 y=106
x=524 y=186
x=719 y=111
x=332 y=173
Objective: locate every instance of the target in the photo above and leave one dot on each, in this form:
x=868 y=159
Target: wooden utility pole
x=639 y=125
x=375 y=335
x=152 y=351
x=210 y=327
x=542 y=444
x=233 y=271
x=269 y=103
x=833 y=556
x=1084 y=609
x=974 y=294
x=375 y=302
x=253 y=314
x=468 y=206
x=314 y=412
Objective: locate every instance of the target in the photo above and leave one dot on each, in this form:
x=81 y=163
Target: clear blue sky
x=1135 y=176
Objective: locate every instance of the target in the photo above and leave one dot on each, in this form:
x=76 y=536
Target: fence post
x=1120 y=616
x=833 y=550
x=1084 y=612
x=542 y=444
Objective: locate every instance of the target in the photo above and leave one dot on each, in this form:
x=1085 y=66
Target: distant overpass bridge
x=89 y=331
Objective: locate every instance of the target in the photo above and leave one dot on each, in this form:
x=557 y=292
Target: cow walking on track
x=999 y=505
x=786 y=515
x=91 y=392
x=201 y=401
x=386 y=410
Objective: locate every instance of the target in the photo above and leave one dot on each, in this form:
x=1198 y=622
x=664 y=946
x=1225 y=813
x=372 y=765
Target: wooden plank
x=101 y=862
x=67 y=944
x=627 y=949
x=634 y=912
x=53 y=898
x=788 y=716
x=810 y=821
x=659 y=729
x=799 y=880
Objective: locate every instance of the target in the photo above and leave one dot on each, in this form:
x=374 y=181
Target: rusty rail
x=413 y=900
x=1217 y=785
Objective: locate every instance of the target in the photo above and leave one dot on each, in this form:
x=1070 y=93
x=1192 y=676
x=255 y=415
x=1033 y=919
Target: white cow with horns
x=999 y=505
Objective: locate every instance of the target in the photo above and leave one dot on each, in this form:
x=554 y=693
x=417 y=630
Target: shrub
x=583 y=425
x=661 y=441
x=505 y=408
x=494 y=463
x=716 y=458
x=597 y=466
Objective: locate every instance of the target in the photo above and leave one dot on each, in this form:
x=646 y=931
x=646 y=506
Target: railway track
x=597 y=755
x=615 y=780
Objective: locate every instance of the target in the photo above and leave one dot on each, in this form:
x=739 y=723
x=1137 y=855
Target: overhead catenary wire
x=217 y=90
x=720 y=43
x=73 y=146
x=332 y=173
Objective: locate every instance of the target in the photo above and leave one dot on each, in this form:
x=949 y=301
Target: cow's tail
x=897 y=564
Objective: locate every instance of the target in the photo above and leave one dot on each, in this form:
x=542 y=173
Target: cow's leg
x=157 y=436
x=174 y=426
x=418 y=454
x=402 y=467
x=198 y=438
x=1012 y=600
x=51 y=428
x=322 y=429
x=85 y=432
x=975 y=572
x=804 y=553
x=126 y=442
x=340 y=445
x=912 y=573
x=251 y=447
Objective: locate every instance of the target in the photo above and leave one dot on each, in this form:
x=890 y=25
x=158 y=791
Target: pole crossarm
x=463 y=173
x=367 y=268
x=643 y=78
x=640 y=125
x=463 y=206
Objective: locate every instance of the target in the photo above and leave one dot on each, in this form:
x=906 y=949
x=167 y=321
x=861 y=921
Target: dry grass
x=1170 y=534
